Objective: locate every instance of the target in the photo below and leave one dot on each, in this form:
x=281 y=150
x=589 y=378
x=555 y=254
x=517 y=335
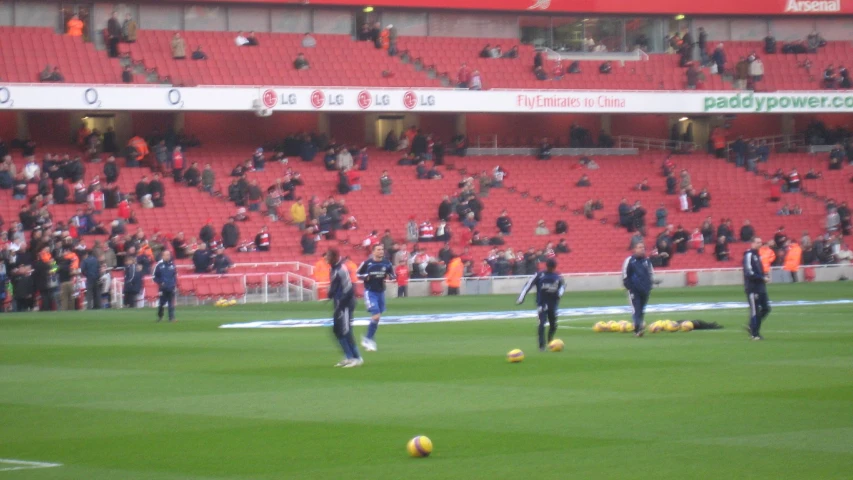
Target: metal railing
x=489 y=144
x=777 y=143
x=632 y=56
x=295 y=267
x=644 y=143
x=257 y=288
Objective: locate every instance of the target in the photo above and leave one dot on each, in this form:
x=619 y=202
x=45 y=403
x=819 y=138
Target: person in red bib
x=426 y=232
x=177 y=164
x=402 y=273
x=96 y=200
x=262 y=239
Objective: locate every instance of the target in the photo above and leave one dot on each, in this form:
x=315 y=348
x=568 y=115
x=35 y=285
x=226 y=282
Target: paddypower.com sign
x=780 y=103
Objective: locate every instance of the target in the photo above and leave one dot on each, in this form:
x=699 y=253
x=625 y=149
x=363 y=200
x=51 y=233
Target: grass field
x=114 y=395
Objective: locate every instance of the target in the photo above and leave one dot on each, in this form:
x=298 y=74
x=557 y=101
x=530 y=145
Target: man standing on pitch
x=166 y=278
x=549 y=289
x=342 y=293
x=373 y=273
x=755 y=284
x=638 y=278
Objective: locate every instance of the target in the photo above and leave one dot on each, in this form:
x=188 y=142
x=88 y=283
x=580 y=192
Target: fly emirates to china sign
x=279 y=100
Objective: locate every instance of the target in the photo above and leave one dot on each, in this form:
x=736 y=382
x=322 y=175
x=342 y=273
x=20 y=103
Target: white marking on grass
x=564 y=313
x=24 y=464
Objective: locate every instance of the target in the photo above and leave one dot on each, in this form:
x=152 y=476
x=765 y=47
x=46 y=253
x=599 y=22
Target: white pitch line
x=25 y=464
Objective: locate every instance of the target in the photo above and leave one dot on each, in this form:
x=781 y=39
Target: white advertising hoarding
x=222 y=99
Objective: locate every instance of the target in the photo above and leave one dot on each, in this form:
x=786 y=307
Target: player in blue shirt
x=549 y=289
x=638 y=277
x=166 y=278
x=373 y=273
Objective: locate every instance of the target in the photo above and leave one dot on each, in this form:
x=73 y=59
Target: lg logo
x=318 y=99
x=364 y=99
x=269 y=98
x=411 y=100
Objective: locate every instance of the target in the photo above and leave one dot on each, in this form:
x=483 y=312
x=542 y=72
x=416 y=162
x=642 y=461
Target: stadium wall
x=244 y=127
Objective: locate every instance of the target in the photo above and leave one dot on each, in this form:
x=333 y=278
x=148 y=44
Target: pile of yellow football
x=622 y=326
x=670 y=326
x=625 y=326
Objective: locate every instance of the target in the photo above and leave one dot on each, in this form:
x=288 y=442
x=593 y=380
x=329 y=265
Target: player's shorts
x=374 y=302
x=342 y=320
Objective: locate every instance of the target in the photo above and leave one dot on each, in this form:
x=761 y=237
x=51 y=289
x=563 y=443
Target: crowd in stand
x=829 y=247
x=67 y=260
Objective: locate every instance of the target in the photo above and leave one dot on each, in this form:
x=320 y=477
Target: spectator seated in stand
x=540 y=74
x=606 y=67
x=544 y=150
x=511 y=53
x=301 y=63
x=829 y=78
x=240 y=40
x=198 y=54
x=252 y=40
x=574 y=67
x=51 y=75
x=584 y=181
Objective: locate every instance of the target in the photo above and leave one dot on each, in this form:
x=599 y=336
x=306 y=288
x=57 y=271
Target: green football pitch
x=114 y=395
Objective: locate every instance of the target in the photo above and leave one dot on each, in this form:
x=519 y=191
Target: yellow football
x=686 y=326
x=671 y=326
x=556 y=345
x=515 y=356
x=419 y=447
x=600 y=327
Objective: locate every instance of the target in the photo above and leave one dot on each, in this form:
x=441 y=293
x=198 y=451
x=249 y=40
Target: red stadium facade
x=656 y=7
x=356 y=93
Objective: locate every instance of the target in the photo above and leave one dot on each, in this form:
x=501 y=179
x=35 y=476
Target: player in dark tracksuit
x=755 y=285
x=638 y=278
x=133 y=280
x=549 y=288
x=342 y=293
x=166 y=277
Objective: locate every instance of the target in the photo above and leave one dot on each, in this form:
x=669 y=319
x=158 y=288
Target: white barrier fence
x=251 y=288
